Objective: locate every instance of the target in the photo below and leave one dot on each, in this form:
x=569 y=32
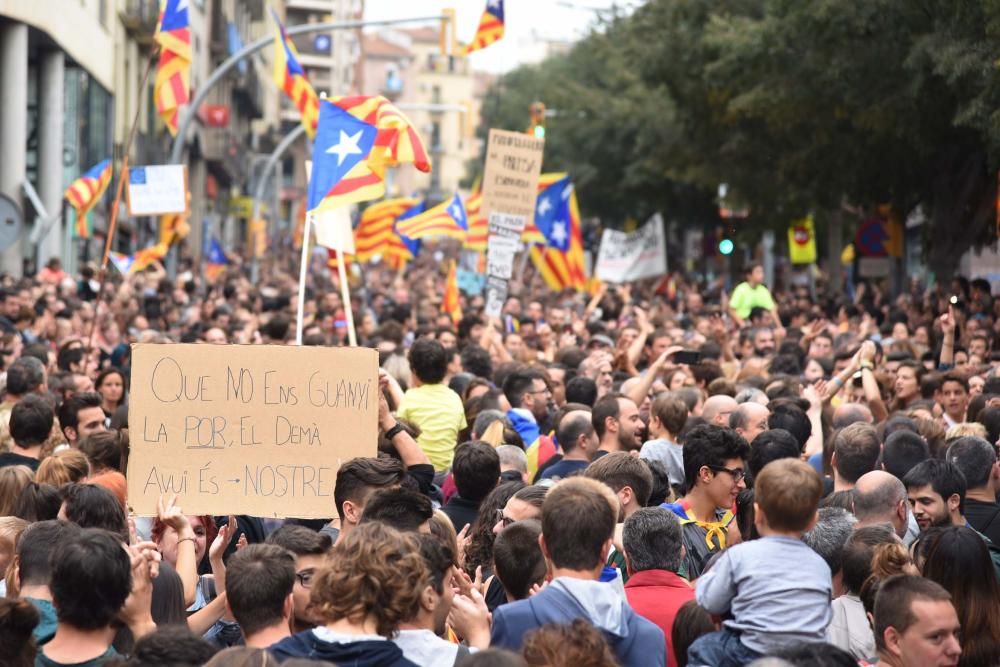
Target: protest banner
x=496 y=294
x=510 y=175
x=157 y=189
x=626 y=257
x=258 y=430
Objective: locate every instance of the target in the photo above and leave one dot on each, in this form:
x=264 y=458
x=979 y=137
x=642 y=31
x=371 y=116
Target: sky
x=525 y=22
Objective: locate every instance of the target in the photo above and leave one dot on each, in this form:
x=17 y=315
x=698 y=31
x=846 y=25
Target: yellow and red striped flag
x=291 y=78
x=450 y=304
x=446 y=219
x=84 y=193
x=375 y=232
x=172 y=88
x=560 y=262
x=491 y=27
x=478 y=226
x=356 y=139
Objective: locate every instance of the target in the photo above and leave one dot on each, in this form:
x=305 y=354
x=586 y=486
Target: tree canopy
x=797 y=106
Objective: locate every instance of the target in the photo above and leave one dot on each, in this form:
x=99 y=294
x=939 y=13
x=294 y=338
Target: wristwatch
x=394 y=431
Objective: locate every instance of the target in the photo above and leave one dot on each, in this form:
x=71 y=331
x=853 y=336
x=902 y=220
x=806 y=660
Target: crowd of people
x=653 y=474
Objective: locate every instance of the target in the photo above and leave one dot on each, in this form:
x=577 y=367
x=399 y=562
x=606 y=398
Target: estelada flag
x=491 y=27
x=84 y=193
x=291 y=78
x=172 y=88
x=802 y=241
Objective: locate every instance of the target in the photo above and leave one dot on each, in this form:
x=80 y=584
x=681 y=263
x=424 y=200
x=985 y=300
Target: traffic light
x=537 y=127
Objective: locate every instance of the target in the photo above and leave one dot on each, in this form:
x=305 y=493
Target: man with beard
x=617 y=423
x=936 y=491
x=529 y=396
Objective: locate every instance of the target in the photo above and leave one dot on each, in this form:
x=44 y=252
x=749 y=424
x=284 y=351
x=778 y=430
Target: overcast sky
x=526 y=20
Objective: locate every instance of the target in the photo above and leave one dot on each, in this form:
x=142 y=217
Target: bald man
x=881 y=498
x=718 y=408
x=749 y=419
x=846 y=414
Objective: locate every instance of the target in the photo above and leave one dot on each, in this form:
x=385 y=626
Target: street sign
x=11 y=222
x=871 y=238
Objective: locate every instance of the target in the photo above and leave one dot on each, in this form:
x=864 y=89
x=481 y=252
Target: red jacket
x=657 y=595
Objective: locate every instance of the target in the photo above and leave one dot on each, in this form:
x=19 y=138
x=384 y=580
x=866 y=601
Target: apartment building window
x=435 y=135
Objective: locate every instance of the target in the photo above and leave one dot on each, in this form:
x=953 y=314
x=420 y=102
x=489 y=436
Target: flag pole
x=345 y=296
x=113 y=223
x=303 y=265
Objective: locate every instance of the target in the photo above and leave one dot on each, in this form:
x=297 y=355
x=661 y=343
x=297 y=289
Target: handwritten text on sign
x=258 y=430
x=510 y=175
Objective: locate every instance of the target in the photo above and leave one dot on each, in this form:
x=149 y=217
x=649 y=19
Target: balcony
x=139 y=18
x=225 y=154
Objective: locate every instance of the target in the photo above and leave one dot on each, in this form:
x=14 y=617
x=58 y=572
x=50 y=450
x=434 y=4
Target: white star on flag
x=493 y=4
x=559 y=233
x=346 y=145
x=456 y=212
x=182 y=5
x=567 y=191
x=544 y=206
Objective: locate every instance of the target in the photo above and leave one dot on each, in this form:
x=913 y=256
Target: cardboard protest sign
x=626 y=257
x=157 y=189
x=248 y=429
x=510 y=176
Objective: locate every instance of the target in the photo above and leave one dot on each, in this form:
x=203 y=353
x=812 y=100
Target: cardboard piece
x=510 y=175
x=248 y=429
x=157 y=189
x=627 y=257
x=333 y=229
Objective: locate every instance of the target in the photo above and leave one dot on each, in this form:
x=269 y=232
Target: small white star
x=182 y=5
x=456 y=211
x=544 y=206
x=493 y=4
x=346 y=145
x=567 y=191
x=559 y=233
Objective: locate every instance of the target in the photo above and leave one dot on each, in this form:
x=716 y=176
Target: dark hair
x=661 y=483
x=476 y=469
x=168 y=606
x=990 y=418
x=570 y=430
x=815 y=654
x=67 y=356
x=792 y=419
x=902 y=451
x=35 y=546
x=517 y=559
x=428 y=360
x=578 y=519
x=259 y=579
x=31 y=420
x=25 y=375
x=519 y=383
x=172 y=645
x=771 y=445
x=710 y=445
x=92 y=506
x=69 y=411
x=38 y=502
x=357 y=478
x=400 y=508
x=18 y=619
x=955 y=377
x=581 y=389
x=690 y=623
x=621 y=469
x=943 y=477
x=858 y=552
x=300 y=541
x=108 y=372
x=604 y=408
x=476 y=360
x=974 y=458
x=481 y=537
x=439 y=559
x=103 y=449
x=894 y=603
x=93 y=601
x=958 y=559
x=856 y=448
